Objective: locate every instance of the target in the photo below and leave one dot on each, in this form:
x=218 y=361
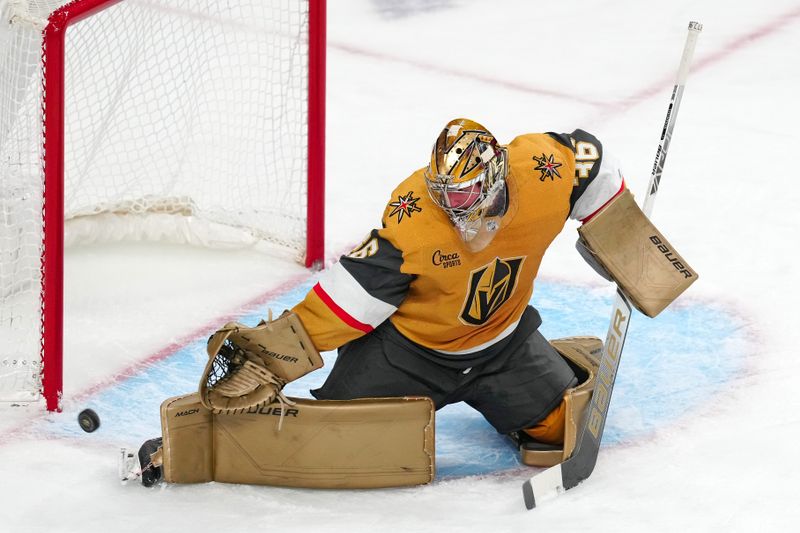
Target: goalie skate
x=140 y=465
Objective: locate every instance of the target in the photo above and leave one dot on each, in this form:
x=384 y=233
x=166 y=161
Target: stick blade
x=527 y=494
x=544 y=486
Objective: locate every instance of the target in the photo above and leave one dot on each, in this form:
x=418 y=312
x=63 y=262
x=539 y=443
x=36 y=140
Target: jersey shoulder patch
x=407 y=201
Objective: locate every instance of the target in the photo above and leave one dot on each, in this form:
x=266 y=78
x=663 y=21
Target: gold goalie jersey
x=416 y=271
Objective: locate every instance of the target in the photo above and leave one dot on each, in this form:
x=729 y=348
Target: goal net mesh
x=185 y=120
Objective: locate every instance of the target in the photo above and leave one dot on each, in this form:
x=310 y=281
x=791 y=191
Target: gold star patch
x=548 y=167
x=404 y=206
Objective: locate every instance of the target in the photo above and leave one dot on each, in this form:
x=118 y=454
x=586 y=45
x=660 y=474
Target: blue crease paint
x=671 y=365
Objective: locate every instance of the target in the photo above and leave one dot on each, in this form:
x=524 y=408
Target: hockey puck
x=88 y=420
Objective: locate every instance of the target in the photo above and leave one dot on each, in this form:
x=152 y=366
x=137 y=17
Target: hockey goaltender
x=430 y=309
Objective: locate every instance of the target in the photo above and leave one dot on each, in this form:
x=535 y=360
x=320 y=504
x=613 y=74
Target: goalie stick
x=564 y=476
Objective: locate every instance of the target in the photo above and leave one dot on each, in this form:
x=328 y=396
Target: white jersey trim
x=603 y=188
x=502 y=335
x=354 y=300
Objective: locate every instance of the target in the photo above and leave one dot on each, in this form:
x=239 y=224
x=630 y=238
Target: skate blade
x=129 y=468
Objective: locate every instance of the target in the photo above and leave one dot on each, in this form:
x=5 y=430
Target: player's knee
x=551 y=429
x=553 y=439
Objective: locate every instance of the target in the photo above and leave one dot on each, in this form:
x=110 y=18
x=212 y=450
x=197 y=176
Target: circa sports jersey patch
x=404 y=206
x=445 y=260
x=547 y=166
x=490 y=286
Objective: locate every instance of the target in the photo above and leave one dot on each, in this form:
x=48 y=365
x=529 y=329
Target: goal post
x=194 y=121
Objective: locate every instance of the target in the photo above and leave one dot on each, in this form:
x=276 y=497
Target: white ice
x=397 y=71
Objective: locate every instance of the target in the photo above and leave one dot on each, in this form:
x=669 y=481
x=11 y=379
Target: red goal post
x=235 y=104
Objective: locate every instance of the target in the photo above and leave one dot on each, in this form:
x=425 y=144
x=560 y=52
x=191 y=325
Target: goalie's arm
x=598 y=176
x=356 y=294
x=616 y=238
x=598 y=180
x=249 y=366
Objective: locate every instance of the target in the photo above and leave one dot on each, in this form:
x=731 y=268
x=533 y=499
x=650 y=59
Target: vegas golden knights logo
x=490 y=287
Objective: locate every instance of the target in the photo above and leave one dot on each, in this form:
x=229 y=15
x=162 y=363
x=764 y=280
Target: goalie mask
x=466 y=178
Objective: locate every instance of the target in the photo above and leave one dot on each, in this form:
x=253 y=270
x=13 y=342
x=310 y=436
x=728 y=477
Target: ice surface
x=703 y=423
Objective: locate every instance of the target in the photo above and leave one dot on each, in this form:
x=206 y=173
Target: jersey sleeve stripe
x=344 y=291
x=339 y=312
x=589 y=217
x=377 y=268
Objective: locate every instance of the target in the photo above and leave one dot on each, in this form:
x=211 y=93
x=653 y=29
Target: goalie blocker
x=631 y=250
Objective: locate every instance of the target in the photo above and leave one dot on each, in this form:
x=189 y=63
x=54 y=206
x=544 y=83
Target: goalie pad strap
x=636 y=255
x=381 y=442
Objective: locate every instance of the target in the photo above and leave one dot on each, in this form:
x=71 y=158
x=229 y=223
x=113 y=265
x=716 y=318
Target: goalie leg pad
x=583 y=354
x=380 y=442
x=636 y=255
x=188 y=440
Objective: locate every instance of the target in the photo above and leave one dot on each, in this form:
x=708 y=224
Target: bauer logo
x=671 y=256
x=270 y=353
x=281 y=357
x=490 y=286
x=601 y=396
x=270 y=410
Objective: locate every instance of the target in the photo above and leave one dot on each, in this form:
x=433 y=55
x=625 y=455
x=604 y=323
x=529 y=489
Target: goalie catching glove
x=248 y=366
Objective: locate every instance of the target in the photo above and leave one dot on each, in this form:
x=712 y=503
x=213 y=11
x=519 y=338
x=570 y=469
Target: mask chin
x=478 y=233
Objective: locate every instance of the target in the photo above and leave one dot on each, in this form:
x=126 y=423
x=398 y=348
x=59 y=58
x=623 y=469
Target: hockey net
x=194 y=121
